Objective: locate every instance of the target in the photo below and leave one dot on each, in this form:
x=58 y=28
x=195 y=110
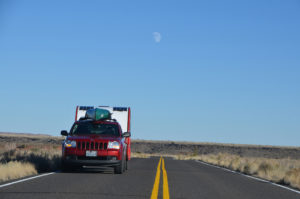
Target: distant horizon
x=177 y=141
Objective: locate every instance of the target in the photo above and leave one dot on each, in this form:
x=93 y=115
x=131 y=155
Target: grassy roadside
x=14 y=170
x=21 y=160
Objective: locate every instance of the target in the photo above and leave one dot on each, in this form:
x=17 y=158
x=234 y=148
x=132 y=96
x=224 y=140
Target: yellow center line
x=155 y=189
x=156 y=182
x=166 y=194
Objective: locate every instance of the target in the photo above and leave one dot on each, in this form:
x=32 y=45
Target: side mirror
x=64 y=132
x=126 y=134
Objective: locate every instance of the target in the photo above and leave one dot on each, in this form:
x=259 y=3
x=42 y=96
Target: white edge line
x=26 y=179
x=248 y=176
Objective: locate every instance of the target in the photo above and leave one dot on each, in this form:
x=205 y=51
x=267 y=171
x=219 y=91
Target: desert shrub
x=234 y=163
x=264 y=167
x=14 y=170
x=293 y=177
x=10 y=146
x=43 y=160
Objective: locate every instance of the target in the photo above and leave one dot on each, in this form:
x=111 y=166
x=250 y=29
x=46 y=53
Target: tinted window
x=92 y=128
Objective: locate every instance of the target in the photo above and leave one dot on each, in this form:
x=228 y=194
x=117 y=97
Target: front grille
x=92 y=145
x=81 y=145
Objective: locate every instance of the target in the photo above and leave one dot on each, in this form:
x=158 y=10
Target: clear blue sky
x=222 y=71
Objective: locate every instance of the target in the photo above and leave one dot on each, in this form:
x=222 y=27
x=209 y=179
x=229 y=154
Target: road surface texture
x=179 y=179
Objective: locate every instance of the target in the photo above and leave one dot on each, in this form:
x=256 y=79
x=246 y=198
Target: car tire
x=120 y=168
x=65 y=168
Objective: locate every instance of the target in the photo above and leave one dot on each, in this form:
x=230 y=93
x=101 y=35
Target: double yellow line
x=155 y=189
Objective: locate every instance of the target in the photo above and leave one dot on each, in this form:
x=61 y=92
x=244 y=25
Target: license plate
x=91 y=153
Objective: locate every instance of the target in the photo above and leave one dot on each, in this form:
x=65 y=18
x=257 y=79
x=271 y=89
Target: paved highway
x=148 y=178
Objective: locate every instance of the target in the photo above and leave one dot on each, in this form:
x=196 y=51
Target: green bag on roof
x=97 y=114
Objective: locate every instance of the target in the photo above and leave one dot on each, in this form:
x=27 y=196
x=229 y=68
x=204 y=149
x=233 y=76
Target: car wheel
x=65 y=168
x=120 y=168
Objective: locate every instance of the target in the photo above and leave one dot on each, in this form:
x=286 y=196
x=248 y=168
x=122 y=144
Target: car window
x=94 y=128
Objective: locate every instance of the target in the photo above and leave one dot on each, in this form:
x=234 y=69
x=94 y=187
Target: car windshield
x=94 y=128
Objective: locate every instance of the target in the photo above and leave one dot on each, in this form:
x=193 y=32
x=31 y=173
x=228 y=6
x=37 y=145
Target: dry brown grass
x=42 y=157
x=140 y=155
x=21 y=162
x=283 y=171
x=28 y=154
x=15 y=170
x=293 y=177
x=148 y=155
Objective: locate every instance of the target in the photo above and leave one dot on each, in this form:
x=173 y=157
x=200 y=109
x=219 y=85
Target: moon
x=156 y=37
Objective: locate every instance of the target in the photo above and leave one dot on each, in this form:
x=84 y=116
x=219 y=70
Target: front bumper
x=74 y=161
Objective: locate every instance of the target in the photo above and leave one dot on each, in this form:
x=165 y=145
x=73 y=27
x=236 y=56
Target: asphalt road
x=185 y=179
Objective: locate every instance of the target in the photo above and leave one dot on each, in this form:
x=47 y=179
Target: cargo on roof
x=120 y=114
x=97 y=114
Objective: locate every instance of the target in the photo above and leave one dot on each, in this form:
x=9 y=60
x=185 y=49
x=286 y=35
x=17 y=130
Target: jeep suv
x=95 y=143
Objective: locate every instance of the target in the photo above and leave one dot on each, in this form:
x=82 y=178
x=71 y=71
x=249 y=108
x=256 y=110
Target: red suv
x=95 y=143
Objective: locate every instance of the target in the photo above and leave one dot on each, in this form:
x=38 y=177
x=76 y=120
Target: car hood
x=94 y=137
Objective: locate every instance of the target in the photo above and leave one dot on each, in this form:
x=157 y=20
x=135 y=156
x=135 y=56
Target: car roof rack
x=114 y=120
x=84 y=118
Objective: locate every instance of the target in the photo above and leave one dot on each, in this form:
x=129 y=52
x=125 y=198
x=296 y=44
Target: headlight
x=113 y=145
x=70 y=143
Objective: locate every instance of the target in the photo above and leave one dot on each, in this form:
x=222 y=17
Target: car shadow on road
x=92 y=170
